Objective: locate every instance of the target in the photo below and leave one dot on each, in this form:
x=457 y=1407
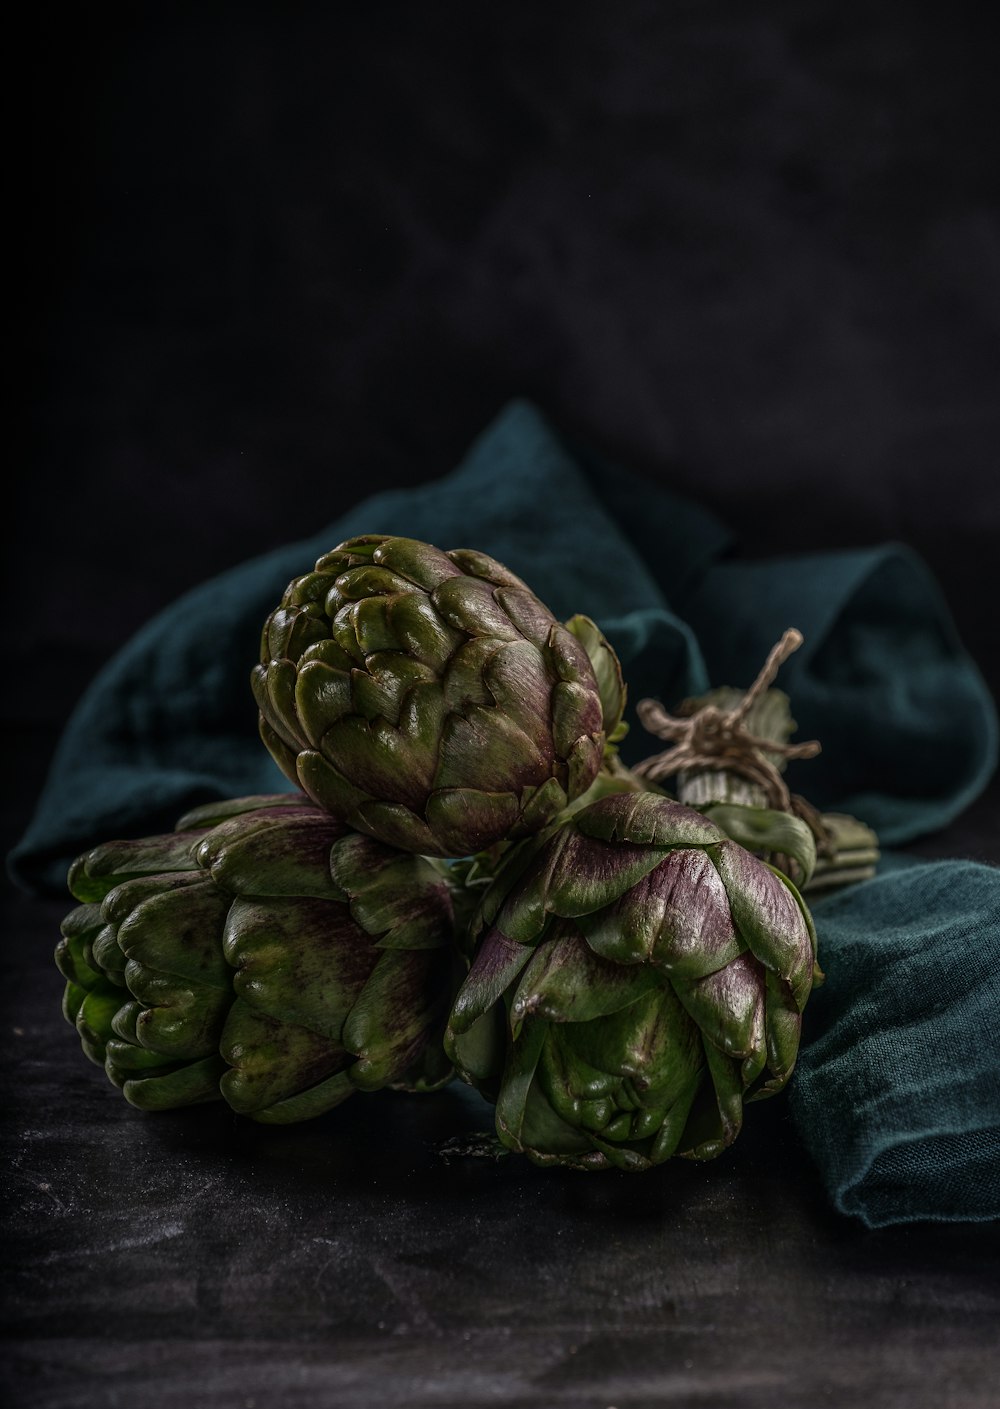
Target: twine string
x=718 y=739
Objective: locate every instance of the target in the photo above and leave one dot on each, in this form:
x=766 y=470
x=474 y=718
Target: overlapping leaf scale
x=607 y=671
x=399 y=900
x=302 y=961
x=92 y=1012
x=166 y=988
x=474 y=563
x=210 y=814
x=676 y=915
x=274 y=692
x=406 y=995
x=175 y=969
x=566 y=982
x=379 y=760
x=769 y=916
x=420 y=563
x=643 y=819
x=96 y=872
x=280 y=1072
x=573 y=877
x=499 y=959
x=469 y=605
x=281 y=851
x=74 y=952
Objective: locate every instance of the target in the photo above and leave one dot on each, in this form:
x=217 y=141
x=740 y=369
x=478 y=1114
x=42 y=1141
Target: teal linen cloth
x=897 y=1093
x=882 y=678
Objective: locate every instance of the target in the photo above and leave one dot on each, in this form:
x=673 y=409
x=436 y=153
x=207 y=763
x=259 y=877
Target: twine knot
x=714 y=738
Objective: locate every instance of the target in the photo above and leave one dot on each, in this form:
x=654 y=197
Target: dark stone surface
x=279 y=257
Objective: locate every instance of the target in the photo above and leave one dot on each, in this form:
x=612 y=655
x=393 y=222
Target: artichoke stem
x=701 y=787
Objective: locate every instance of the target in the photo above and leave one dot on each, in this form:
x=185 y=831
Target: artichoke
x=639 y=977
x=430 y=699
x=264 y=953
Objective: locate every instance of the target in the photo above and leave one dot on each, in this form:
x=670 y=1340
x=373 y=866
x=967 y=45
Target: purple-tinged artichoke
x=263 y=953
x=639 y=976
x=430 y=699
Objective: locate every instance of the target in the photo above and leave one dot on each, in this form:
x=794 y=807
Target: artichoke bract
x=429 y=698
x=639 y=977
x=264 y=953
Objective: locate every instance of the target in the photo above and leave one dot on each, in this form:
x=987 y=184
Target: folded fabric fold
x=897 y=1089
x=897 y=1094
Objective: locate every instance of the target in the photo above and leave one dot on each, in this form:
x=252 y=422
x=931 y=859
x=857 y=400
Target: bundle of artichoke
x=631 y=977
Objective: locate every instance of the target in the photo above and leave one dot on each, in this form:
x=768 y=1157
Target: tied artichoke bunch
x=468 y=878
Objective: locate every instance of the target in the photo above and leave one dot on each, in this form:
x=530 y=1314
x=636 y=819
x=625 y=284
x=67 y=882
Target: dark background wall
x=281 y=256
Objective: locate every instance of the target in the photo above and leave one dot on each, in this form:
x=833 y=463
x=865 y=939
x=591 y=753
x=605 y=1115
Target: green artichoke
x=639 y=977
x=263 y=953
x=430 y=699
